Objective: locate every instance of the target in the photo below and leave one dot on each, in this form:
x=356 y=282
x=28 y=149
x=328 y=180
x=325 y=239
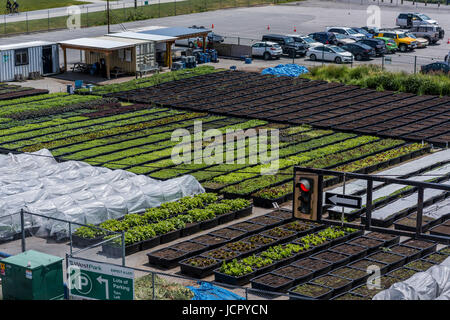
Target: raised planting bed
x=419 y=265
x=282 y=214
x=365 y=264
x=221 y=254
x=353 y=251
x=190 y=229
x=299 y=227
x=280 y=234
x=82 y=242
x=166 y=257
x=211 y=241
x=209 y=224
x=338 y=284
x=314 y=242
x=402 y=273
x=408 y=223
x=310 y=291
x=243 y=248
x=357 y=276
x=365 y=291
x=389 y=239
x=260 y=241
x=247 y=226
x=445 y=250
x=198 y=267
x=393 y=260
x=409 y=252
x=229 y=234
x=115 y=251
x=436 y=258
x=319 y=267
x=240 y=272
x=272 y=282
x=244 y=212
x=336 y=259
x=170 y=236
x=350 y=296
x=371 y=244
x=426 y=246
x=266 y=221
x=150 y=243
x=190 y=247
x=299 y=275
x=441 y=230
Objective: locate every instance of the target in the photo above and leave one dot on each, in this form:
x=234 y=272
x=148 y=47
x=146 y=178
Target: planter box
x=234 y=255
x=208 y=224
x=389 y=239
x=164 y=261
x=297 y=274
x=402 y=273
x=354 y=252
x=281 y=214
x=248 y=227
x=337 y=290
x=324 y=296
x=244 y=212
x=229 y=234
x=426 y=246
x=266 y=221
x=262 y=246
x=364 y=263
x=170 y=236
x=235 y=281
x=317 y=266
x=419 y=265
x=260 y=282
x=441 y=230
x=336 y=259
x=197 y=272
x=81 y=242
x=190 y=247
x=357 y=276
x=210 y=240
x=285 y=238
x=371 y=244
x=432 y=257
x=400 y=260
x=116 y=252
x=268 y=203
x=150 y=243
x=410 y=253
x=190 y=229
x=227 y=217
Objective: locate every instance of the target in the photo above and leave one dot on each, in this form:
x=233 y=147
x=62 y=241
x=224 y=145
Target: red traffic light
x=305 y=185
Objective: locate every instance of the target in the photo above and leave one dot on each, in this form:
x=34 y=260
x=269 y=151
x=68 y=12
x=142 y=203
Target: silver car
x=267 y=50
x=329 y=53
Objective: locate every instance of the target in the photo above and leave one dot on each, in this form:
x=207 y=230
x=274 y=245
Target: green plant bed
x=163 y=290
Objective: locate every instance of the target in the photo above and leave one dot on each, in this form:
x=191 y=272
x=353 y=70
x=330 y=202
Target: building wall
x=8 y=69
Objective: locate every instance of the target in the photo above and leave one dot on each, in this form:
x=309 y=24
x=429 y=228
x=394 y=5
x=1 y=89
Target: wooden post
x=204 y=43
x=108 y=64
x=169 y=54
x=65 y=58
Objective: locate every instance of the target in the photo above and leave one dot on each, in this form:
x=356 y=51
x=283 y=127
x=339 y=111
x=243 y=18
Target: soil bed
x=402 y=273
x=228 y=233
x=419 y=265
x=311 y=291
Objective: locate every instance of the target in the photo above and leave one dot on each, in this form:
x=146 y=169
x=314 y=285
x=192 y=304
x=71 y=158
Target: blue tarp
x=290 y=70
x=207 y=291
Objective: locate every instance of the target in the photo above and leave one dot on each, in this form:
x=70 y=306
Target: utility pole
x=107 y=15
x=135 y=4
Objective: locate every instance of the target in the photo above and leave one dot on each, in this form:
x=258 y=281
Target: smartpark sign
x=99 y=281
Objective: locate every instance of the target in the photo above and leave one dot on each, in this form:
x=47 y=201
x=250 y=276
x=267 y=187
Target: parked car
x=410 y=19
x=421 y=42
x=306 y=40
x=324 y=37
x=429 y=32
x=363 y=31
x=349 y=32
x=267 y=50
x=343 y=40
x=439 y=66
x=289 y=46
x=447 y=58
x=360 y=51
x=391 y=46
x=377 y=44
x=329 y=53
x=371 y=30
x=403 y=42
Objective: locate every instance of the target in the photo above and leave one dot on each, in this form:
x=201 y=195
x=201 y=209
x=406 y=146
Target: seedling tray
x=261 y=244
x=435 y=257
x=248 y=227
x=426 y=246
x=82 y=242
x=160 y=257
x=150 y=243
x=370 y=244
x=230 y=254
x=338 y=288
x=325 y=295
x=410 y=253
x=232 y=280
x=208 y=224
x=419 y=265
x=266 y=221
x=441 y=230
x=282 y=214
x=378 y=256
x=357 y=276
x=289 y=235
x=297 y=274
x=210 y=240
x=271 y=282
x=268 y=203
x=354 y=252
x=229 y=234
x=227 y=217
x=190 y=247
x=190 y=229
x=170 y=236
x=319 y=267
x=299 y=227
x=114 y=251
x=336 y=259
x=197 y=272
x=389 y=239
x=364 y=263
x=244 y=212
x=402 y=273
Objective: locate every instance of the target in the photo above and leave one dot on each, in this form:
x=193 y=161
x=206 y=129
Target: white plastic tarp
x=77 y=192
x=433 y=284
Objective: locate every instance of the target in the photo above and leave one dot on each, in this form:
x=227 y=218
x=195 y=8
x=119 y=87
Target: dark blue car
x=440 y=66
